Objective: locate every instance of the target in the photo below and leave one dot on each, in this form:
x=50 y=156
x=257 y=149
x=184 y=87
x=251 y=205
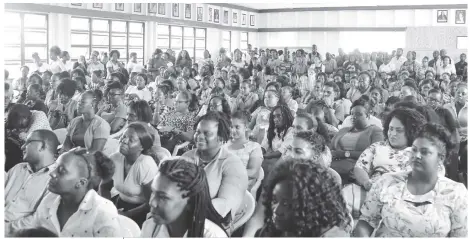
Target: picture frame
x=442 y=16
x=152 y=8
x=175 y=9
x=77 y=4
x=243 y=19
x=98 y=5
x=225 y=17
x=460 y=16
x=252 y=20
x=234 y=17
x=216 y=15
x=138 y=7
x=210 y=14
x=119 y=7
x=199 y=14
x=161 y=9
x=187 y=11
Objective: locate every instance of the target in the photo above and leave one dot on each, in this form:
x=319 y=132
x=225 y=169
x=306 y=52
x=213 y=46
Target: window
x=178 y=38
x=106 y=35
x=227 y=41
x=244 y=42
x=27 y=33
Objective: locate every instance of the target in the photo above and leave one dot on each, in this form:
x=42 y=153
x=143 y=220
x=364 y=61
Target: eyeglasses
x=111 y=94
x=180 y=101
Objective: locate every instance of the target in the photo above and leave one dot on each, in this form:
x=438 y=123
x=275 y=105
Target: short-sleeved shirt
x=98 y=129
x=114 y=66
x=130 y=187
x=143 y=94
x=393 y=211
x=94 y=67
x=57 y=66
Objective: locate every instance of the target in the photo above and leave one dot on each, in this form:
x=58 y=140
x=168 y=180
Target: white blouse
x=95 y=217
x=130 y=187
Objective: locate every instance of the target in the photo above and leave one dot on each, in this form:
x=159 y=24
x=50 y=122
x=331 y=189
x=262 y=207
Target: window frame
x=229 y=49
x=194 y=39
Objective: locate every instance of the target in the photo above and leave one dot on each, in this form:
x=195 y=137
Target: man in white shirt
x=387 y=67
x=26 y=183
x=399 y=59
x=38 y=66
x=132 y=62
x=57 y=65
x=445 y=67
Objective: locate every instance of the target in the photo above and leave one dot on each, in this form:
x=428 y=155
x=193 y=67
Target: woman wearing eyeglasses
x=74 y=208
x=178 y=124
x=88 y=130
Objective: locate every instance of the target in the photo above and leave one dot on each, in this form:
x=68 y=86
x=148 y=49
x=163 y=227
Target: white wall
x=329 y=41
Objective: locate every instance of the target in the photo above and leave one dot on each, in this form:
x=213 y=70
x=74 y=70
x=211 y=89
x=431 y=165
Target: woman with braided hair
x=226 y=174
x=180 y=204
x=302 y=199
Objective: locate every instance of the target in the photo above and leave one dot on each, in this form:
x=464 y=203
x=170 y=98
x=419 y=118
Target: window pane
x=14 y=37
x=163 y=41
x=76 y=52
x=80 y=24
x=122 y=53
x=176 y=31
x=35 y=37
x=32 y=20
x=80 y=39
x=136 y=41
x=200 y=43
x=28 y=52
x=199 y=54
x=139 y=51
x=12 y=53
x=100 y=40
x=13 y=68
x=188 y=43
x=190 y=51
x=163 y=30
x=100 y=25
x=188 y=32
x=200 y=32
x=118 y=41
x=176 y=43
x=14 y=19
x=136 y=27
x=118 y=26
x=100 y=49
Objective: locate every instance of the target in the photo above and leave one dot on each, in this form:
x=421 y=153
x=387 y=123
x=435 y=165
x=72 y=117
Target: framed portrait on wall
x=216 y=15
x=98 y=5
x=152 y=8
x=234 y=17
x=187 y=11
x=225 y=17
x=460 y=16
x=77 y=4
x=161 y=8
x=138 y=7
x=442 y=16
x=210 y=14
x=199 y=14
x=176 y=9
x=252 y=20
x=243 y=19
x=119 y=6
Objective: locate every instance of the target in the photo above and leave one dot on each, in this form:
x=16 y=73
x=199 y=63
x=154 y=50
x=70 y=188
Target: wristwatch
x=347 y=154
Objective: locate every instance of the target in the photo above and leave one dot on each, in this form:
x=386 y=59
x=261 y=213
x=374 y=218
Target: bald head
x=49 y=137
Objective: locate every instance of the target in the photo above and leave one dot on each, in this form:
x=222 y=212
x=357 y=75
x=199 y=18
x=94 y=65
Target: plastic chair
x=178 y=147
x=111 y=146
x=256 y=186
x=61 y=134
x=129 y=227
x=249 y=204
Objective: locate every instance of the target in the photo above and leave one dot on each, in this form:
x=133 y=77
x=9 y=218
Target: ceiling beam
x=372 y=8
x=333 y=29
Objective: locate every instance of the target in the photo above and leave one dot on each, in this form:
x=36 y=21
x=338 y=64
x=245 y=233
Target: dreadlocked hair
x=192 y=178
x=317 y=200
x=223 y=124
x=287 y=119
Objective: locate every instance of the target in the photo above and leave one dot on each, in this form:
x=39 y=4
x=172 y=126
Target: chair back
x=257 y=184
x=249 y=208
x=111 y=146
x=61 y=134
x=129 y=227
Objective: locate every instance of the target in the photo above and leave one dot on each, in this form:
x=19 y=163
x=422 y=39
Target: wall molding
x=40 y=8
x=372 y=8
x=333 y=29
x=234 y=6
